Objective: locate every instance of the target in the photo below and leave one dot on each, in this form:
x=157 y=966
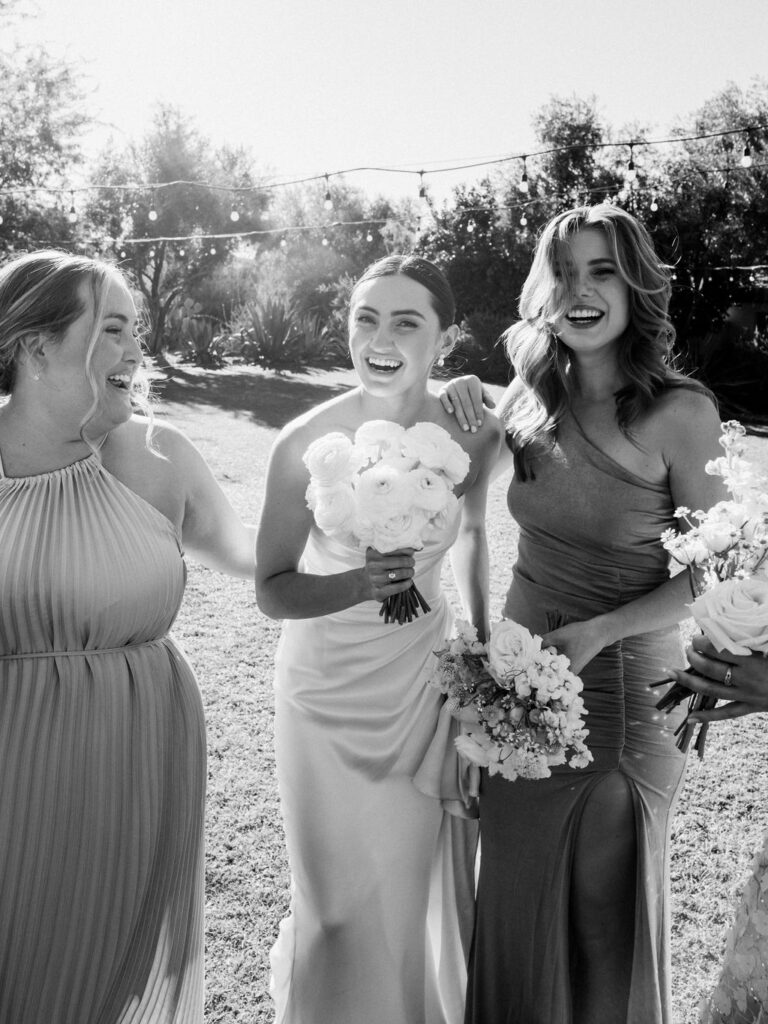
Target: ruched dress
x=102 y=760
x=589 y=541
x=382 y=874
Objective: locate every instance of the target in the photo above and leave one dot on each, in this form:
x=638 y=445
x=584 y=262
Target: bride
x=382 y=875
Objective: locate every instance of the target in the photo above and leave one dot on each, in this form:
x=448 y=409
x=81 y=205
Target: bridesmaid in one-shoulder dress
x=607 y=442
x=102 y=738
x=382 y=874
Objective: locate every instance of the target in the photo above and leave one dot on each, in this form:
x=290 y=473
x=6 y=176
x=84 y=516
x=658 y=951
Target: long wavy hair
x=543 y=382
x=40 y=292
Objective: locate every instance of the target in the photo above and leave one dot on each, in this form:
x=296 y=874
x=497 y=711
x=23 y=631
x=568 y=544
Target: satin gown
x=589 y=541
x=102 y=760
x=382 y=874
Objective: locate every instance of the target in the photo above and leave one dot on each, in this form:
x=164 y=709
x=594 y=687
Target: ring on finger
x=727 y=677
x=392 y=575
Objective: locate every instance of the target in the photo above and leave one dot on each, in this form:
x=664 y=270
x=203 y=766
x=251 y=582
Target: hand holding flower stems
x=730 y=545
x=741 y=680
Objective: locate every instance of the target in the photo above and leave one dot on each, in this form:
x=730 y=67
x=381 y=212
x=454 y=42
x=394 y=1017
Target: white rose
x=334 y=508
x=382 y=491
x=377 y=437
x=718 y=536
x=734 y=615
x=330 y=459
x=430 y=489
x=435 y=448
x=511 y=648
x=476 y=747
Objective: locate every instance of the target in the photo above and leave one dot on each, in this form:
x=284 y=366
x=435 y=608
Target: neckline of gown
x=77 y=465
x=616 y=468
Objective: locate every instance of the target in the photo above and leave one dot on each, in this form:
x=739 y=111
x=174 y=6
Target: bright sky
x=315 y=86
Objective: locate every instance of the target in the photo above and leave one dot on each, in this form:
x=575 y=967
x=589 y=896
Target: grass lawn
x=233 y=416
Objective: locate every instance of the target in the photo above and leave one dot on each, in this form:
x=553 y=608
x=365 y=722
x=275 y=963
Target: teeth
x=120 y=378
x=384 y=362
x=584 y=314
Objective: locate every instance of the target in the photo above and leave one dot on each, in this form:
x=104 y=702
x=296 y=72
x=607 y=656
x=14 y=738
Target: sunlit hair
x=543 y=383
x=40 y=293
x=424 y=273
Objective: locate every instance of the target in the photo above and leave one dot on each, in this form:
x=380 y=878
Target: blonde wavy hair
x=40 y=293
x=543 y=383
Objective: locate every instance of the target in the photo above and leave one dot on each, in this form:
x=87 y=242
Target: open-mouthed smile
x=584 y=316
x=121 y=381
x=381 y=365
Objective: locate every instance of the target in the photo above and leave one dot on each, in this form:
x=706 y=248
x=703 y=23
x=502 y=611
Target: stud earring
x=441 y=361
x=36 y=375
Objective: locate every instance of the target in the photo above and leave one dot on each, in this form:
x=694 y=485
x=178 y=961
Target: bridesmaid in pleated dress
x=607 y=442
x=102 y=739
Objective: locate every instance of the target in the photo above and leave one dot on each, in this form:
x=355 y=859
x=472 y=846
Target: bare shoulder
x=685 y=423
x=299 y=433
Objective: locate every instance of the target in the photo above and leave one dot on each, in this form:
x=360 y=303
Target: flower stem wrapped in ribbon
x=728 y=547
x=389 y=488
x=528 y=702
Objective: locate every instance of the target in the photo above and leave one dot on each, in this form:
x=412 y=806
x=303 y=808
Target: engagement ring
x=727 y=677
x=393 y=576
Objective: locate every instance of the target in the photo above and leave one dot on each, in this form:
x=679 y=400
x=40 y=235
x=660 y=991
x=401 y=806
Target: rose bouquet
x=389 y=488
x=726 y=552
x=528 y=703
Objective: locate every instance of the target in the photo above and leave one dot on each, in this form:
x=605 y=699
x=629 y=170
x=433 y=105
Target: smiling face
x=88 y=372
x=599 y=303
x=394 y=335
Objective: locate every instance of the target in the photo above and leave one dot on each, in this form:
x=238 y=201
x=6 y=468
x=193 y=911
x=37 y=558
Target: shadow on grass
x=271 y=400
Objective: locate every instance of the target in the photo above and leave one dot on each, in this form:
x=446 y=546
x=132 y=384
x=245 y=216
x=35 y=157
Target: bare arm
x=282 y=590
x=469 y=554
x=212 y=532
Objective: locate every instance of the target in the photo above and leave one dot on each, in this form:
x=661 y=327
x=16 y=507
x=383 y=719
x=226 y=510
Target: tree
x=42 y=118
x=172 y=185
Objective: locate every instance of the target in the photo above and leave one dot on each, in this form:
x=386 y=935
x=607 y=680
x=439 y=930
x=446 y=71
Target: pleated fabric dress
x=589 y=541
x=102 y=760
x=382 y=874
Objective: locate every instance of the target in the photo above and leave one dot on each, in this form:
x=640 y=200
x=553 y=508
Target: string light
x=654 y=204
x=631 y=173
x=283 y=242
x=234 y=215
x=325 y=240
x=746 y=159
x=152 y=211
x=369 y=236
x=523 y=184
x=327 y=202
x=471 y=225
x=422 y=188
x=523 y=221
x=72 y=215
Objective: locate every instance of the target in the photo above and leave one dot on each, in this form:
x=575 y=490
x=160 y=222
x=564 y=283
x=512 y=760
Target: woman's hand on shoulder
x=464 y=397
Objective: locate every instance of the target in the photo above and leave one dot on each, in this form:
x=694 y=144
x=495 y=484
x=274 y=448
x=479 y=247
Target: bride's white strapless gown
x=382 y=874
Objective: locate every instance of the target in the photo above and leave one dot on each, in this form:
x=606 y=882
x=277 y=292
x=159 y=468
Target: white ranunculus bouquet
x=728 y=547
x=527 y=700
x=389 y=488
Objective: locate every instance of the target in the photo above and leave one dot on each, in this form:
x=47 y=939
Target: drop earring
x=441 y=361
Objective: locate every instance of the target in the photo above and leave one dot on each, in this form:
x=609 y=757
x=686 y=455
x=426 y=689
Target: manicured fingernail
x=465 y=427
x=479 y=423
x=473 y=429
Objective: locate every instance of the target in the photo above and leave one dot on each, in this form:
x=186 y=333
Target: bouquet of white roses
x=728 y=545
x=389 y=487
x=528 y=703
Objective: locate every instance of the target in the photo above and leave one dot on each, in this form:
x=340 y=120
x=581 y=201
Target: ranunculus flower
x=382 y=492
x=511 y=648
x=430 y=489
x=399 y=531
x=378 y=437
x=734 y=615
x=718 y=536
x=334 y=507
x=435 y=448
x=331 y=459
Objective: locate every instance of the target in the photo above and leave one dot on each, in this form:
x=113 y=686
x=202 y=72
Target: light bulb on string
x=234 y=215
x=471 y=225
x=327 y=202
x=123 y=254
x=631 y=172
x=283 y=242
x=369 y=236
x=182 y=252
x=422 y=187
x=72 y=215
x=152 y=211
x=151 y=254
x=746 y=159
x=523 y=221
x=264 y=215
x=654 y=204
x=523 y=183
x=325 y=240
x=212 y=250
